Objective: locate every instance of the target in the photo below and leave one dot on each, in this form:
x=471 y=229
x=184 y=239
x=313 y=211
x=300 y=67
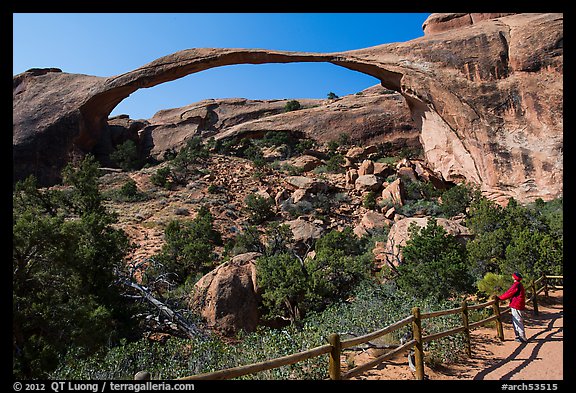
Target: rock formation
x=227 y=297
x=485 y=92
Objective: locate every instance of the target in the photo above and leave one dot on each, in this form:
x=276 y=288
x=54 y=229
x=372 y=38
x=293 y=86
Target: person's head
x=516 y=276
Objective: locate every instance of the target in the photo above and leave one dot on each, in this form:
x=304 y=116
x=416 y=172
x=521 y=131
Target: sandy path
x=541 y=358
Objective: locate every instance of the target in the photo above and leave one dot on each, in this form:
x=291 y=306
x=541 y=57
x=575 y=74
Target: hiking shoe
x=520 y=340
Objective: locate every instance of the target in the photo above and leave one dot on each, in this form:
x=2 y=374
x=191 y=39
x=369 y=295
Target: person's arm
x=510 y=292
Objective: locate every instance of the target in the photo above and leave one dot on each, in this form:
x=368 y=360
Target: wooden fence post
x=545 y=281
x=418 y=349
x=466 y=327
x=334 y=365
x=534 y=297
x=496 y=308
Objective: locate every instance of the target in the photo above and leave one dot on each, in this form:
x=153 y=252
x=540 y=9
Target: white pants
x=518 y=323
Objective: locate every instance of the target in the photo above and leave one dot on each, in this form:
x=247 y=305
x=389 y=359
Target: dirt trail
x=541 y=358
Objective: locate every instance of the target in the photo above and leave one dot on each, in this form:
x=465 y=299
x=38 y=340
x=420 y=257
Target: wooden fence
x=336 y=345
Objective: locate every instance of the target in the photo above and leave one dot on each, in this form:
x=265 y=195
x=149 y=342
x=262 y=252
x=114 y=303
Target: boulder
x=304 y=163
x=394 y=193
x=426 y=174
x=351 y=176
x=407 y=172
x=382 y=170
x=307 y=184
x=366 y=168
x=304 y=231
x=227 y=297
x=355 y=153
x=368 y=183
x=370 y=222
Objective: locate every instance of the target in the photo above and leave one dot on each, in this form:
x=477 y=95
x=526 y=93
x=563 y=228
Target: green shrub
x=344 y=139
x=291 y=287
x=189 y=245
x=259 y=208
x=369 y=200
x=254 y=154
x=126 y=156
x=427 y=208
x=515 y=237
x=292 y=105
x=333 y=165
x=128 y=192
x=305 y=144
x=65 y=253
x=332 y=147
x=457 y=199
x=162 y=177
x=494 y=284
x=192 y=153
x=435 y=263
x=420 y=190
x=247 y=241
x=277 y=138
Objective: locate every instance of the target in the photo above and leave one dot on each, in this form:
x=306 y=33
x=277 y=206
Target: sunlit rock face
x=484 y=93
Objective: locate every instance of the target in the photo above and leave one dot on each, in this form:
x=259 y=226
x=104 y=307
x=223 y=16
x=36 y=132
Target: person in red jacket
x=517 y=296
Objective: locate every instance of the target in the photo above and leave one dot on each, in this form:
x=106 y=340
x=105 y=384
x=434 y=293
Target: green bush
x=292 y=105
x=189 y=245
x=192 y=153
x=126 y=156
x=162 y=177
x=369 y=200
x=370 y=307
x=247 y=241
x=421 y=206
x=333 y=165
x=254 y=154
x=344 y=139
x=128 y=192
x=259 y=208
x=516 y=238
x=420 y=190
x=435 y=263
x=277 y=138
x=65 y=253
x=291 y=287
x=457 y=199
x=494 y=284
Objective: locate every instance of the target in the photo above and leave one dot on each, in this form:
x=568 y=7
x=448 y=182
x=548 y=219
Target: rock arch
x=96 y=109
x=487 y=97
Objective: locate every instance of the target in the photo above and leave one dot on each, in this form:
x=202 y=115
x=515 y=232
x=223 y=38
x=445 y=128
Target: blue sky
x=107 y=44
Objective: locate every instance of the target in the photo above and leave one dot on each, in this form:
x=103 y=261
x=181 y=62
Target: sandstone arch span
x=178 y=65
x=487 y=97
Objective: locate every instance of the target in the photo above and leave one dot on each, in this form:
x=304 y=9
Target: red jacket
x=517 y=295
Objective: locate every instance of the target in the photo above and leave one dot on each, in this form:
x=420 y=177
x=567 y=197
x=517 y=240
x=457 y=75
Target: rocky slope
x=484 y=93
x=306 y=196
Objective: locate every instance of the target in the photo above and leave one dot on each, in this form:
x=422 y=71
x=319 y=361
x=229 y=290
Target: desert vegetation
x=77 y=316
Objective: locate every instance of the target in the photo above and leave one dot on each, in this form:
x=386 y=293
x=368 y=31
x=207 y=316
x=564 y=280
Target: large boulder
x=304 y=231
x=371 y=222
x=227 y=297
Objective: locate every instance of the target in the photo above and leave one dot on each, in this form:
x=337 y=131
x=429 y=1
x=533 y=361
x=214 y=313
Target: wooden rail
x=335 y=346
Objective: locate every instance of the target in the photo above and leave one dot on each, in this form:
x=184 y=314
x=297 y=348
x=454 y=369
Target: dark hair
x=518 y=275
